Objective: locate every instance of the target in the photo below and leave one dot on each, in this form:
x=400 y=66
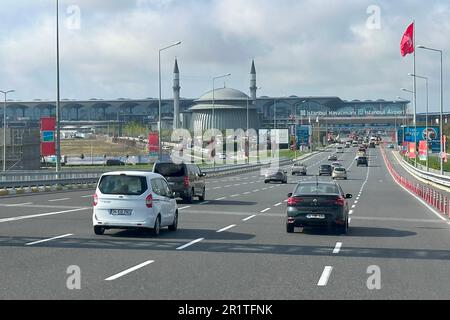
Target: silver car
x=339 y=173
x=298 y=168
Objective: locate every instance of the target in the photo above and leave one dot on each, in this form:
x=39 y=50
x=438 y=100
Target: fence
x=434 y=198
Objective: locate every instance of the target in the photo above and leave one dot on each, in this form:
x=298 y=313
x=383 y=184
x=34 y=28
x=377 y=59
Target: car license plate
x=315 y=216
x=121 y=212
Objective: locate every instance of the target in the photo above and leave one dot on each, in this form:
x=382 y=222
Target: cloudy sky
x=109 y=48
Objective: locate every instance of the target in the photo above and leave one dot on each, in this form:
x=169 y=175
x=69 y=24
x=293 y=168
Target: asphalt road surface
x=232 y=246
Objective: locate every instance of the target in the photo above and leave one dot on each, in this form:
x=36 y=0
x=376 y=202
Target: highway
x=234 y=245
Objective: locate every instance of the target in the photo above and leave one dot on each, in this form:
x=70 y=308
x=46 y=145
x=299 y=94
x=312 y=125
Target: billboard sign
x=432 y=135
x=303 y=134
x=48 y=145
x=153 y=142
x=412 y=150
x=423 y=150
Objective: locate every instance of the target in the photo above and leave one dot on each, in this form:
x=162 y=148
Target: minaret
x=176 y=96
x=253 y=87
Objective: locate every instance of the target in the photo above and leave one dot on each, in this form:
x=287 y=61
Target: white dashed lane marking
x=337 y=248
x=226 y=228
x=248 y=218
x=190 y=243
x=325 y=276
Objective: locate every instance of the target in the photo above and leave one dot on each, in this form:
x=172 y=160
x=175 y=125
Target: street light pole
x=213 y=122
x=4 y=128
x=159 y=102
x=57 y=111
x=441 y=127
x=426 y=114
x=414 y=120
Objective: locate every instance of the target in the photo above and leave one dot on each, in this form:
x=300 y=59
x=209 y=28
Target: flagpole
x=415 y=92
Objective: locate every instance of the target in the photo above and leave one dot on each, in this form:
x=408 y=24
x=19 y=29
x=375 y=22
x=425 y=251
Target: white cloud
x=300 y=47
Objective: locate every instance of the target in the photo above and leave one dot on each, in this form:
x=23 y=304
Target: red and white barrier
x=434 y=198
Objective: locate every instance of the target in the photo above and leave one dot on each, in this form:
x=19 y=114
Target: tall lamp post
x=213 y=108
x=404 y=111
x=426 y=114
x=441 y=109
x=415 y=124
x=159 y=105
x=4 y=127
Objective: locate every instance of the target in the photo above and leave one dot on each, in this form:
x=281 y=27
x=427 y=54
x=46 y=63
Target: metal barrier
x=434 y=198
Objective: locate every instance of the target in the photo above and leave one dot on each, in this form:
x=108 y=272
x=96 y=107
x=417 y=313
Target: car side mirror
x=348 y=196
x=289 y=194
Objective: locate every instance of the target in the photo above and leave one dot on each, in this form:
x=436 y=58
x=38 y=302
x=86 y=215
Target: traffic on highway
x=224 y=159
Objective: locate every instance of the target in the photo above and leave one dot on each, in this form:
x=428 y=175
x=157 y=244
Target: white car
x=133 y=199
x=339 y=173
x=340 y=149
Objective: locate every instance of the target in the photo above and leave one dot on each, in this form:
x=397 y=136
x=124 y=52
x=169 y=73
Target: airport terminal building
x=225 y=108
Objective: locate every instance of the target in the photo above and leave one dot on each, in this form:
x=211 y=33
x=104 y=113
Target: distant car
x=132 y=199
x=185 y=179
x=298 y=168
x=390 y=146
x=372 y=144
x=317 y=204
x=325 y=169
x=278 y=175
x=332 y=157
x=114 y=162
x=362 y=161
x=339 y=173
x=336 y=164
x=339 y=149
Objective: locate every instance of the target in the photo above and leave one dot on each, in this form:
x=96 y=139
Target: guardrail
x=434 y=198
x=36 y=178
x=431 y=176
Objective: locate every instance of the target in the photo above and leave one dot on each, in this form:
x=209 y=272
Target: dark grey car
x=186 y=180
x=275 y=175
x=317 y=204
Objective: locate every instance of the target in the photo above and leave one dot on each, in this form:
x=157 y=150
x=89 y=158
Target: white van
x=339 y=149
x=133 y=199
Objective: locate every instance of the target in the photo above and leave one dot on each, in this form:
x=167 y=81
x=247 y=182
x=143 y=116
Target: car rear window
x=325 y=166
x=123 y=185
x=170 y=169
x=313 y=188
x=339 y=169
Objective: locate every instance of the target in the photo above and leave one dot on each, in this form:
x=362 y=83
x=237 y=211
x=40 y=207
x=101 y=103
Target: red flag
x=407 y=43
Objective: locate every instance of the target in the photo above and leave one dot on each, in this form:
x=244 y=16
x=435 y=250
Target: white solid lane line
x=184 y=207
x=190 y=243
x=62 y=199
x=248 y=218
x=337 y=248
x=121 y=274
x=41 y=215
x=18 y=204
x=50 y=239
x=226 y=228
x=266 y=209
x=325 y=276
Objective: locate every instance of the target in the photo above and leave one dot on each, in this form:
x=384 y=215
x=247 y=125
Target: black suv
x=186 y=180
x=362 y=161
x=325 y=169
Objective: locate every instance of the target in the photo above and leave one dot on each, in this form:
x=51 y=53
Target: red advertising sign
x=423 y=150
x=404 y=147
x=153 y=142
x=444 y=148
x=412 y=150
x=48 y=146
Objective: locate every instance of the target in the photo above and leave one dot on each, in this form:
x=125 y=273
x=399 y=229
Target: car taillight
x=95 y=199
x=149 y=201
x=292 y=201
x=340 y=201
x=186 y=181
